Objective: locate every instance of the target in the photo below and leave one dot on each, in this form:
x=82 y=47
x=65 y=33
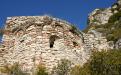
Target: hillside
x=108 y=22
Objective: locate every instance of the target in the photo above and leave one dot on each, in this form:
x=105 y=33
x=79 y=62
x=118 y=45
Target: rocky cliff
x=107 y=22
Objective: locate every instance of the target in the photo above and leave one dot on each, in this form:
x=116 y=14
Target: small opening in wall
x=51 y=44
x=22 y=41
x=75 y=44
x=2 y=49
x=52 y=40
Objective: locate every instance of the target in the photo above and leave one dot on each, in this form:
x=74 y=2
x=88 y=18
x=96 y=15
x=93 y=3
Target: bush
x=95 y=20
x=115 y=17
x=62 y=68
x=106 y=63
x=79 y=70
x=101 y=63
x=41 y=70
x=74 y=30
x=13 y=70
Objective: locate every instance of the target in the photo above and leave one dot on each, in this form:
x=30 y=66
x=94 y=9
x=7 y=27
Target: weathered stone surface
x=100 y=20
x=100 y=16
x=42 y=39
x=119 y=2
x=95 y=41
x=118 y=44
x=30 y=38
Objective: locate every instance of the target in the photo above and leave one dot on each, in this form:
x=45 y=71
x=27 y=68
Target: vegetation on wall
x=79 y=70
x=95 y=20
x=62 y=68
x=16 y=70
x=75 y=31
x=12 y=70
x=41 y=70
x=113 y=28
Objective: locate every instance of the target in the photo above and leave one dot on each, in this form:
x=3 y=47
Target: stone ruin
x=31 y=40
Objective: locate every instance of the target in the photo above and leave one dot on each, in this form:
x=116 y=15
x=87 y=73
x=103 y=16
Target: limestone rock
x=119 y=2
x=100 y=16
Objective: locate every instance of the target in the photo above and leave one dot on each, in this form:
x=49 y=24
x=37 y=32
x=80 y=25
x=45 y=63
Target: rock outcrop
x=101 y=16
x=107 y=22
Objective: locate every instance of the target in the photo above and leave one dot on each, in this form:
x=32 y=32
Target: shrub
x=13 y=70
x=76 y=70
x=115 y=17
x=79 y=70
x=95 y=20
x=62 y=68
x=106 y=63
x=101 y=63
x=41 y=70
x=110 y=37
x=74 y=30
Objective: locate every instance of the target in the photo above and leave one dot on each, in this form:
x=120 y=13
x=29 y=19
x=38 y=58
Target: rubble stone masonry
x=31 y=40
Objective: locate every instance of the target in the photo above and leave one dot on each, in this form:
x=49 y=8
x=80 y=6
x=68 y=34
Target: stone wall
x=32 y=40
x=93 y=43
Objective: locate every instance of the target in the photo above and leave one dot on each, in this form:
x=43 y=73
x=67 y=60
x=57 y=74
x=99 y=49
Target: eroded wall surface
x=31 y=40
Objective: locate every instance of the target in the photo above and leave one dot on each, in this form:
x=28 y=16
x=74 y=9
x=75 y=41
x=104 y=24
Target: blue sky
x=74 y=11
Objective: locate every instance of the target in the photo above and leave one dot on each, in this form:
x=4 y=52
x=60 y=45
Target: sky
x=73 y=11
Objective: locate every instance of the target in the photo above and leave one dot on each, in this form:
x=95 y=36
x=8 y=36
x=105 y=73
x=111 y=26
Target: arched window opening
x=52 y=39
